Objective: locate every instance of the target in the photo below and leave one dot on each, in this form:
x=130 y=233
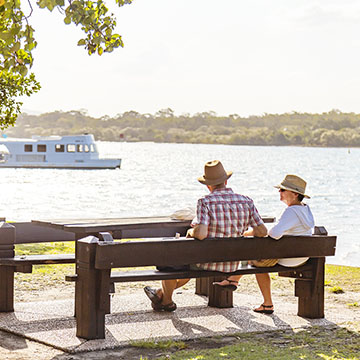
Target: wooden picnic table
x=129 y=227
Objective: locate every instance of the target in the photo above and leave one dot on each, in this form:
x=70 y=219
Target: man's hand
x=190 y=233
x=199 y=232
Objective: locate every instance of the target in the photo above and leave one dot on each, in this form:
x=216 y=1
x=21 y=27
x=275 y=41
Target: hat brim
x=292 y=190
x=218 y=181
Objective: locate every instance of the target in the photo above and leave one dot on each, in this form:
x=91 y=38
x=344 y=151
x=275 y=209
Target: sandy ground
x=13 y=347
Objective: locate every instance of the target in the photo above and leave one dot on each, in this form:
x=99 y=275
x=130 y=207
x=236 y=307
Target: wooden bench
x=30 y=233
x=95 y=259
x=9 y=263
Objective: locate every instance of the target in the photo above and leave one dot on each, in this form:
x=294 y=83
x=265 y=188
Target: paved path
x=132 y=319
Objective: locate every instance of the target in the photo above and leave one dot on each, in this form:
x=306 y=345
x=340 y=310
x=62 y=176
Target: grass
x=163 y=345
x=312 y=343
x=44 y=275
x=336 y=290
x=46 y=248
x=346 y=277
x=355 y=304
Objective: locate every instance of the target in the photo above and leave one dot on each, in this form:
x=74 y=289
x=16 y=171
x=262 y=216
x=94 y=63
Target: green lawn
x=313 y=343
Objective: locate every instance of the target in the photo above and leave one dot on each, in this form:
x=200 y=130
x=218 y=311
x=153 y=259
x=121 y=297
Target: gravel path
x=14 y=347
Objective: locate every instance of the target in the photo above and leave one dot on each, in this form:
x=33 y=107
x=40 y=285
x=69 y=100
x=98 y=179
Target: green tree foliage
x=300 y=129
x=11 y=87
x=17 y=43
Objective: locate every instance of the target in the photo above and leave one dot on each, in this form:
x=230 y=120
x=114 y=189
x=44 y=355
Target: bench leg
x=7 y=250
x=202 y=286
x=92 y=299
x=7 y=288
x=218 y=297
x=311 y=291
x=92 y=302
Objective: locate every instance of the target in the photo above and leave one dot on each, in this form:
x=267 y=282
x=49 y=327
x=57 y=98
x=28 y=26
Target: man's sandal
x=230 y=285
x=160 y=307
x=266 y=309
x=152 y=295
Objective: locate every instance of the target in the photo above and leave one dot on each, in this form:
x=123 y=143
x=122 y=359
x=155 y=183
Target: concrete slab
x=132 y=319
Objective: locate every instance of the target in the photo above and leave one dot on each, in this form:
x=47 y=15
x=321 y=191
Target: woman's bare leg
x=264 y=283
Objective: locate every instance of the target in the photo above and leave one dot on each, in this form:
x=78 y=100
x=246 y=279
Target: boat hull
x=88 y=166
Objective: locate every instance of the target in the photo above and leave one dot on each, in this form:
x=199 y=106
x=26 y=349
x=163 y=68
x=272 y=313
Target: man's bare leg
x=168 y=287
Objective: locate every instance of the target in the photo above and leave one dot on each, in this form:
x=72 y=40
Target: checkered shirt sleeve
x=202 y=212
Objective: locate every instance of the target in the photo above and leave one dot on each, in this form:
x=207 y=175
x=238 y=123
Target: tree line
x=330 y=129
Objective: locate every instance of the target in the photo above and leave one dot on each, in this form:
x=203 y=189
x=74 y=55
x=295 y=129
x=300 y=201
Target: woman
x=297 y=219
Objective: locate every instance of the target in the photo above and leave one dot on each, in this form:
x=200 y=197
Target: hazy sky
x=230 y=56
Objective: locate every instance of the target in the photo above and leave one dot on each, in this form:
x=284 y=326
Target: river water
x=158 y=179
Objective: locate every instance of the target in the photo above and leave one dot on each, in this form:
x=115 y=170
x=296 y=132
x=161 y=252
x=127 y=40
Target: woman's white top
x=295 y=220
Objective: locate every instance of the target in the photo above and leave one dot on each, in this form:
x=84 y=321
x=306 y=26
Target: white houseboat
x=4 y=153
x=67 y=152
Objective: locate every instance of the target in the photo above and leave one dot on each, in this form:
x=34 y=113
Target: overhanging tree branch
x=17 y=42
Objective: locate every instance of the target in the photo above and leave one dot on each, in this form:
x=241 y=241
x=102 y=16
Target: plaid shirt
x=227 y=215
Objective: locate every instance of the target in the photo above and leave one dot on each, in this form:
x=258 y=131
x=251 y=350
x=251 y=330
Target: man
x=222 y=213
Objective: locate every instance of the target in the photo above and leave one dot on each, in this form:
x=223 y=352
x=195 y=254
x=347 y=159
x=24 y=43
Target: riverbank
x=328 y=129
x=342 y=294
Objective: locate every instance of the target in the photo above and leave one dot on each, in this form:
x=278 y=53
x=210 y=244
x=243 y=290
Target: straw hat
x=293 y=183
x=214 y=173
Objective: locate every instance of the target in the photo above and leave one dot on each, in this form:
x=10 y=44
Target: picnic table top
x=114 y=224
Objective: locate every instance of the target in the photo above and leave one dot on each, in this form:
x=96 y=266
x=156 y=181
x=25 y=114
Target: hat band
x=298 y=189
x=218 y=179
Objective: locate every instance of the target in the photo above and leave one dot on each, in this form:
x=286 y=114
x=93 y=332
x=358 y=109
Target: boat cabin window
x=28 y=148
x=59 y=148
x=92 y=147
x=71 y=147
x=41 y=148
x=80 y=147
x=86 y=148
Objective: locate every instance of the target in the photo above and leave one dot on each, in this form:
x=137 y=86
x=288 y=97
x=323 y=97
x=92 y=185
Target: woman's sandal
x=231 y=284
x=266 y=309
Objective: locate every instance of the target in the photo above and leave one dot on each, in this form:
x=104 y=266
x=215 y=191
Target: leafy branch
x=17 y=42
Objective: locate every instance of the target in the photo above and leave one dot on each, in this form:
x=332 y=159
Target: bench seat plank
x=125 y=276
x=146 y=275
x=38 y=259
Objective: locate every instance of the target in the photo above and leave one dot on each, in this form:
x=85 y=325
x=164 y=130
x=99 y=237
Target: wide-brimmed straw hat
x=214 y=173
x=293 y=183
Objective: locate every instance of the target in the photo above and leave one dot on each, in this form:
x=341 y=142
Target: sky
x=246 y=57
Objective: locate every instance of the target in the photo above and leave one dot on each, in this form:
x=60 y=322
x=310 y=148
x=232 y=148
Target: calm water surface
x=158 y=179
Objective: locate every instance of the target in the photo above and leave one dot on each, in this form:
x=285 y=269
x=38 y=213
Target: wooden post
x=7 y=250
x=78 y=236
x=310 y=291
x=218 y=297
x=91 y=292
x=202 y=286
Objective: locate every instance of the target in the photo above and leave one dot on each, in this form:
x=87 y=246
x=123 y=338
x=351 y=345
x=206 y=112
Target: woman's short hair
x=300 y=197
